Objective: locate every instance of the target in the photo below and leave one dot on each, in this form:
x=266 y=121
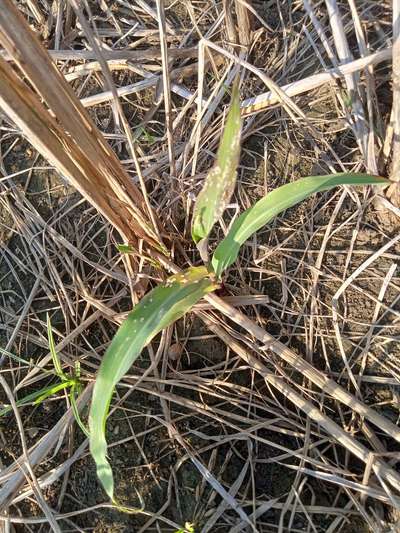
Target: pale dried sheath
x=396 y=91
x=267 y=99
x=166 y=84
x=343 y=51
x=369 y=89
x=136 y=56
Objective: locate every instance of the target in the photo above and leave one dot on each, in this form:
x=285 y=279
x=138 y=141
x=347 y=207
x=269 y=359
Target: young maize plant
x=166 y=303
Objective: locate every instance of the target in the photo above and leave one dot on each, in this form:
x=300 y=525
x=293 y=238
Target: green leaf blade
x=53 y=352
x=125 y=248
x=157 y=310
x=274 y=203
x=221 y=179
x=38 y=396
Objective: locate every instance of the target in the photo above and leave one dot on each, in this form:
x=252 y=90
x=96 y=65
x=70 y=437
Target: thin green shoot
x=71 y=383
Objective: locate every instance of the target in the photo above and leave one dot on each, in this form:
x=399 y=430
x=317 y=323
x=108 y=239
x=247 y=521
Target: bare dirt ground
x=322 y=278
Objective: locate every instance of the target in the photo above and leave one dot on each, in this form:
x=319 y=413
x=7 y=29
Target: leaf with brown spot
x=221 y=179
x=157 y=310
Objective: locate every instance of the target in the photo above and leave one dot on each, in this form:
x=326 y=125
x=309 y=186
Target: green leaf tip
x=157 y=310
x=220 y=182
x=274 y=203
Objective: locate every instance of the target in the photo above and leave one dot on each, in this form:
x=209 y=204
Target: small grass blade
x=75 y=410
x=54 y=389
x=6 y=353
x=38 y=396
x=158 y=309
x=220 y=182
x=189 y=528
x=54 y=356
x=125 y=248
x=274 y=203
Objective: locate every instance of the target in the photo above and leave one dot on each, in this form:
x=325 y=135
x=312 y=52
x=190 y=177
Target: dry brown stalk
x=244 y=22
x=393 y=192
x=166 y=84
x=229 y=22
x=68 y=139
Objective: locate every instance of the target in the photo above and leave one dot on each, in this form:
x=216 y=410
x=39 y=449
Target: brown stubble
x=69 y=139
